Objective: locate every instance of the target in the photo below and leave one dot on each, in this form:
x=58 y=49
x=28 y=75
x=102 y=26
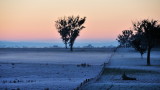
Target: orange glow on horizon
x=34 y=19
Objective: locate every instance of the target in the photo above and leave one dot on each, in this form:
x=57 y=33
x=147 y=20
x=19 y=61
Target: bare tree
x=124 y=38
x=69 y=28
x=148 y=28
x=139 y=43
x=63 y=29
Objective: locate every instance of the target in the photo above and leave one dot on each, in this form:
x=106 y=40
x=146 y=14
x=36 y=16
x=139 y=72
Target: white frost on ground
x=53 y=70
x=56 y=57
x=41 y=76
x=130 y=62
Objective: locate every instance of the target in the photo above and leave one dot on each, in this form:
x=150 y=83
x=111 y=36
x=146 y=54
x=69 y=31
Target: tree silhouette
x=124 y=38
x=157 y=37
x=139 y=43
x=63 y=30
x=149 y=29
x=69 y=28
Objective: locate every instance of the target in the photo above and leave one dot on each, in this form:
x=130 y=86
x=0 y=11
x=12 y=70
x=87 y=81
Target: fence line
x=88 y=81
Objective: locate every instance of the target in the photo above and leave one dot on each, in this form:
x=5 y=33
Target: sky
x=22 y=20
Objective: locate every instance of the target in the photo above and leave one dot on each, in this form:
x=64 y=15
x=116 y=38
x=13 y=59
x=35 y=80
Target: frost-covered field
x=53 y=69
x=95 y=56
x=130 y=62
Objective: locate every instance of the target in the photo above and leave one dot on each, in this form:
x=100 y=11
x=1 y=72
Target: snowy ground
x=48 y=69
x=130 y=62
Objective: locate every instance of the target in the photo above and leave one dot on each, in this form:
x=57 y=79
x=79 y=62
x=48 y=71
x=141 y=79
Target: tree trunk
x=66 y=45
x=148 y=56
x=141 y=56
x=71 y=47
x=65 y=42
